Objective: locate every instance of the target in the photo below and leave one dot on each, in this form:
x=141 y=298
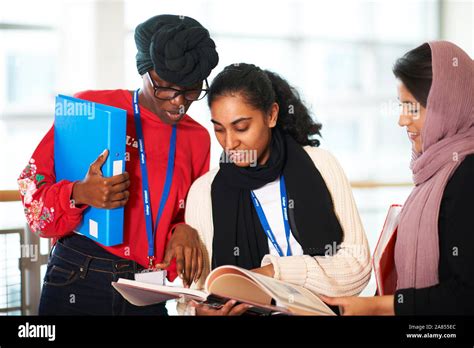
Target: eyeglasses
x=168 y=93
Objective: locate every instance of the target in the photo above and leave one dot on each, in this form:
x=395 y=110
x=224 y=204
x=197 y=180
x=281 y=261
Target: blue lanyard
x=266 y=225
x=150 y=231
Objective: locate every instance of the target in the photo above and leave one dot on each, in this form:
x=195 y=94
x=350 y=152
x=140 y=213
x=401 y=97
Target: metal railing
x=9 y=288
x=30 y=270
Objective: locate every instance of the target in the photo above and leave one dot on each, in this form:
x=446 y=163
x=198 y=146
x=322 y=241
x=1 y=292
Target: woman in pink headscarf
x=434 y=252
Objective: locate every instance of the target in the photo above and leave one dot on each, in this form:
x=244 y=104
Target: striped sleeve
x=348 y=271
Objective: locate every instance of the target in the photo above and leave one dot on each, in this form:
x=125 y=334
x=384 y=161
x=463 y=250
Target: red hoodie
x=47 y=202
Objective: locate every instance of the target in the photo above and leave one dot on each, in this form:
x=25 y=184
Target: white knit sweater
x=344 y=274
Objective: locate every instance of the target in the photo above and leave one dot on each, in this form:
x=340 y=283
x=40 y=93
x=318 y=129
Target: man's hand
x=185 y=246
x=355 y=305
x=228 y=309
x=100 y=192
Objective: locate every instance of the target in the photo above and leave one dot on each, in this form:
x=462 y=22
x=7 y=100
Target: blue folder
x=82 y=130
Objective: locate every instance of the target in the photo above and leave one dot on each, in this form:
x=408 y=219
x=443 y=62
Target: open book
x=384 y=253
x=266 y=295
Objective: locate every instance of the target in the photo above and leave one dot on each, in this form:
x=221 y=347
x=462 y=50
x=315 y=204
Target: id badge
x=151 y=276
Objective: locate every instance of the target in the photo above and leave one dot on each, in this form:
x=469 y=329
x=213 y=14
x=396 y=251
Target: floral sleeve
x=47 y=204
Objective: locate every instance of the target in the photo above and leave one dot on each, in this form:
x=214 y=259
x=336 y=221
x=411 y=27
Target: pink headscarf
x=448 y=137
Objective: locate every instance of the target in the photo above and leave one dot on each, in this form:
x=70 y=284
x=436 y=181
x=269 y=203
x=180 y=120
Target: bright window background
x=340 y=61
x=339 y=55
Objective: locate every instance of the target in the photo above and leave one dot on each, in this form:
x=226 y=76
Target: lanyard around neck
x=266 y=225
x=151 y=232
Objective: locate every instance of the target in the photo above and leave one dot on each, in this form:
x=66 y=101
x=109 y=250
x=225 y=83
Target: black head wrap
x=178 y=48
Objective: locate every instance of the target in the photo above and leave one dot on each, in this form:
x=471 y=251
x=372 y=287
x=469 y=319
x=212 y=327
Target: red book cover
x=384 y=254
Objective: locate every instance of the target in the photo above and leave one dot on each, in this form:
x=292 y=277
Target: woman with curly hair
x=278 y=204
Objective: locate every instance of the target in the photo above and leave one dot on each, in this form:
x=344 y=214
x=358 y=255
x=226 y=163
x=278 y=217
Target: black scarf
x=239 y=238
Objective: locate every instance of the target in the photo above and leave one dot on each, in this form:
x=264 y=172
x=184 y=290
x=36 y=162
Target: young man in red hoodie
x=175 y=56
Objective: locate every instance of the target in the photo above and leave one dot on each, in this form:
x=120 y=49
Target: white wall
x=457 y=18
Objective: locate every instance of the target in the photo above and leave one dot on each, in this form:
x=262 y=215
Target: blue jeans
x=78 y=281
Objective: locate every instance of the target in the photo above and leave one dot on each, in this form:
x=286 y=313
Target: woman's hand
x=185 y=246
x=100 y=192
x=228 y=309
x=267 y=270
x=354 y=305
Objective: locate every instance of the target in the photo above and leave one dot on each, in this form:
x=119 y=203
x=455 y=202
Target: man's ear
x=273 y=116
